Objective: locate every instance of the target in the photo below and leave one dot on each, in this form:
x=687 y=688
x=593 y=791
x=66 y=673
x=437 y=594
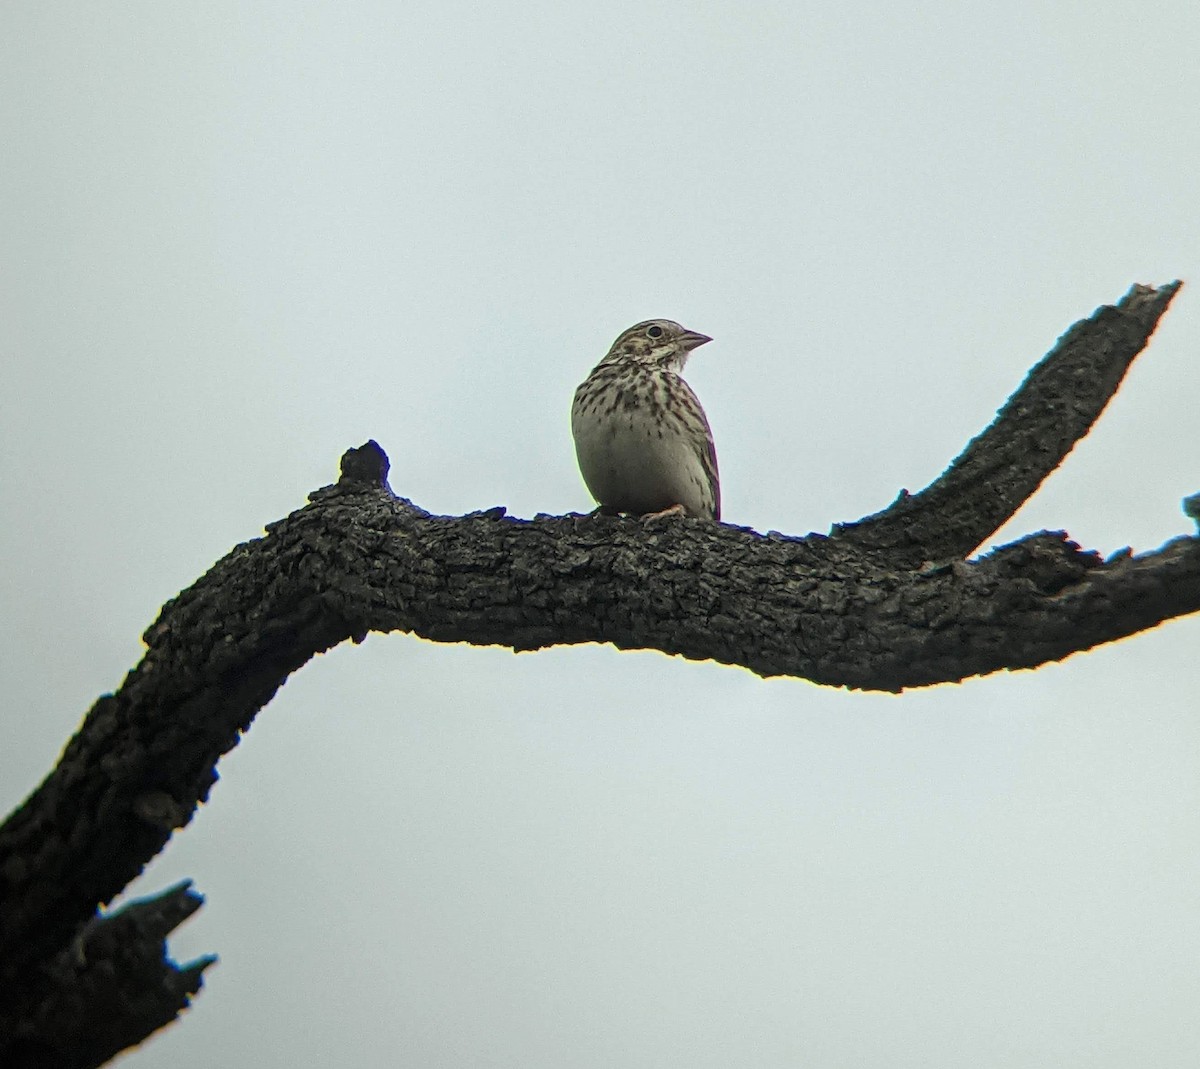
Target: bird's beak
x=690 y=340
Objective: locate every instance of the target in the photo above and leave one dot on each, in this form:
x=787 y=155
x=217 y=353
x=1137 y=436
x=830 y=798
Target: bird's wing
x=709 y=459
x=708 y=454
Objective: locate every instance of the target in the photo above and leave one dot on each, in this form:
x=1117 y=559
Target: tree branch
x=109 y=990
x=1000 y=469
x=883 y=604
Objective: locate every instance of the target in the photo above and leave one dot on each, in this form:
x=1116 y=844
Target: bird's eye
x=654 y=331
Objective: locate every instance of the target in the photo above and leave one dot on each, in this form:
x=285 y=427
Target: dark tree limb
x=1000 y=469
x=886 y=603
x=109 y=989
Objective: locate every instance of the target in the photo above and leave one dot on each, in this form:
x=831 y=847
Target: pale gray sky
x=237 y=239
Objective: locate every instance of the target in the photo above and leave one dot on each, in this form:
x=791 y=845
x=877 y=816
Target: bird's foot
x=674 y=510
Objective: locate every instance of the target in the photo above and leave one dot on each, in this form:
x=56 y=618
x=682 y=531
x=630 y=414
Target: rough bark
x=1001 y=468
x=110 y=988
x=885 y=603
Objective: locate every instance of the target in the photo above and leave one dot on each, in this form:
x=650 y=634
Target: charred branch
x=886 y=603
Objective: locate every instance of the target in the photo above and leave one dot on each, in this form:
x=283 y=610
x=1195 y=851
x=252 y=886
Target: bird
x=642 y=440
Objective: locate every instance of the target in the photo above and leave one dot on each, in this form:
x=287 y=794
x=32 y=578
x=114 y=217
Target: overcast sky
x=236 y=239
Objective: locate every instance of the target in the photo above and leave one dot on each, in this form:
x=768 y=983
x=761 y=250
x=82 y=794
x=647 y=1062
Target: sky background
x=237 y=239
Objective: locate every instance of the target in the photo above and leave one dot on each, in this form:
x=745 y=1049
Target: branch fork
x=888 y=602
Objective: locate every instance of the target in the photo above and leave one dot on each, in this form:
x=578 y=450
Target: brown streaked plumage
x=643 y=442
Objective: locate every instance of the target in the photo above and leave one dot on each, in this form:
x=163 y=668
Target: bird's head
x=660 y=343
